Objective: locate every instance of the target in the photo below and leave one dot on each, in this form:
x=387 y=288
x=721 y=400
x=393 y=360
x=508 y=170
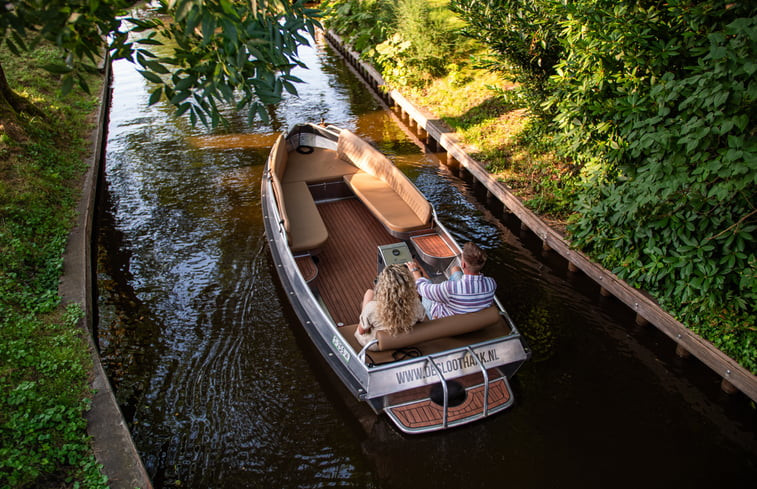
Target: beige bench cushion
x=439 y=328
x=372 y=162
x=321 y=165
x=301 y=218
x=384 y=203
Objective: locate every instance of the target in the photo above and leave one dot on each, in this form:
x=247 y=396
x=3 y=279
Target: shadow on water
x=222 y=388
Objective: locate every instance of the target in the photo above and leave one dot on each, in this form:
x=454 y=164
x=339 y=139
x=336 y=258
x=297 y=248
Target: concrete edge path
x=111 y=440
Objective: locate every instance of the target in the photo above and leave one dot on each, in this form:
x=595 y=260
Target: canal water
x=221 y=387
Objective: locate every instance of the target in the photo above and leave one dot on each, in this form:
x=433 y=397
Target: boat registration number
x=340 y=348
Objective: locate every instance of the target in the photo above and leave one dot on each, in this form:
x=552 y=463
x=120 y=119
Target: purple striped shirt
x=470 y=293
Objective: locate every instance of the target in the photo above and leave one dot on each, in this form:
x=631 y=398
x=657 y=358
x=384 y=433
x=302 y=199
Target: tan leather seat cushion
x=453 y=332
x=371 y=161
x=440 y=328
x=319 y=166
x=383 y=202
x=303 y=221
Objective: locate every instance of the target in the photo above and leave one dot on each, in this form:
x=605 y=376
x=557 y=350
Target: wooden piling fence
x=441 y=139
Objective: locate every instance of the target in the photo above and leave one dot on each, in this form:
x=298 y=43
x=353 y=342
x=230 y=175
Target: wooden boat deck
x=426 y=413
x=433 y=245
x=307 y=267
x=347 y=263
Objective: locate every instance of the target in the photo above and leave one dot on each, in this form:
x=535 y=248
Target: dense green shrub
x=658 y=101
x=409 y=40
x=362 y=23
x=426 y=36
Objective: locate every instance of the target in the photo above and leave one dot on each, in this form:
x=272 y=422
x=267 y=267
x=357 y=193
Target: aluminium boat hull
x=451 y=387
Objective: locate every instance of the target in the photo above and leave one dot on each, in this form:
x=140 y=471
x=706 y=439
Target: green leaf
x=67 y=84
x=150 y=76
x=155 y=96
x=58 y=68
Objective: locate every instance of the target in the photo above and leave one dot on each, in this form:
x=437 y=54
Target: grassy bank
x=44 y=357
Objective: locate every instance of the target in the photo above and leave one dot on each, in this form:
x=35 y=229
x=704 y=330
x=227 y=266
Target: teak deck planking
x=347 y=263
x=433 y=245
x=426 y=413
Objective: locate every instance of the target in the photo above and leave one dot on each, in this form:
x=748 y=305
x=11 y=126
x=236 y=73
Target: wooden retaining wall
x=439 y=139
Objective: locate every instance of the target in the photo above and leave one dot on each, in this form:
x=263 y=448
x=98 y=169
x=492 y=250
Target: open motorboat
x=336 y=211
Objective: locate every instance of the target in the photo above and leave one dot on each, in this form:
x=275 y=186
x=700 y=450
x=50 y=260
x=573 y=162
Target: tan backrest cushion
x=361 y=154
x=279 y=195
x=276 y=166
x=279 y=155
x=440 y=328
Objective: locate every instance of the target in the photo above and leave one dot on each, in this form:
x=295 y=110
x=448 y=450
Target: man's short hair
x=474 y=256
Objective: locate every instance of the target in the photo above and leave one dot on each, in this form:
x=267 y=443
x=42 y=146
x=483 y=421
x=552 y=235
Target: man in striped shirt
x=467 y=290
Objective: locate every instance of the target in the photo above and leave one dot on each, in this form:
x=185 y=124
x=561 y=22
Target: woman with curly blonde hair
x=394 y=305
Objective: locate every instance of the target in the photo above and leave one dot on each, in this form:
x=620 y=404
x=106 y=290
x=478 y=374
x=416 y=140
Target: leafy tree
x=221 y=51
x=362 y=23
x=525 y=39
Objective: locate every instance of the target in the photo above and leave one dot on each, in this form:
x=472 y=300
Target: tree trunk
x=12 y=105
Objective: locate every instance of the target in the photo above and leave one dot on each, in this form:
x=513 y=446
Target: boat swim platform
x=421 y=415
x=438 y=138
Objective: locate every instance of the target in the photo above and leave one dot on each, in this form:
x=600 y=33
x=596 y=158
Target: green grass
x=44 y=357
x=471 y=100
x=500 y=136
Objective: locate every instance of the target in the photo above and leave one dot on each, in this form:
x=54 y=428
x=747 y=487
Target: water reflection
x=223 y=389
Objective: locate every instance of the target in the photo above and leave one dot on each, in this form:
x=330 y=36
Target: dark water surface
x=222 y=389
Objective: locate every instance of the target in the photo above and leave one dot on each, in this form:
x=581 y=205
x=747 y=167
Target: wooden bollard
x=452 y=162
x=727 y=387
x=433 y=146
x=479 y=189
x=641 y=320
x=494 y=204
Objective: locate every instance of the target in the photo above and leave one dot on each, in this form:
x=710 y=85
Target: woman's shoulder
x=370 y=307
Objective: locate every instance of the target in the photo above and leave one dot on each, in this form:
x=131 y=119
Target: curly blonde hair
x=397 y=299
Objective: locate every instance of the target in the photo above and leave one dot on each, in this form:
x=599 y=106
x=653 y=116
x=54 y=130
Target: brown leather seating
x=435 y=335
